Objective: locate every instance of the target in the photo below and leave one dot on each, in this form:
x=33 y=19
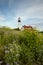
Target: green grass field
x=21 y=47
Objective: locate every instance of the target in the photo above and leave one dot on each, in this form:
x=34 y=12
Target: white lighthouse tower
x=19 y=23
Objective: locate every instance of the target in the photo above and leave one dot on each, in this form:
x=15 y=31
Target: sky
x=30 y=12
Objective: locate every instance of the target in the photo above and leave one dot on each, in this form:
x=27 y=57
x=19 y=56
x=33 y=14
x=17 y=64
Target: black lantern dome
x=19 y=19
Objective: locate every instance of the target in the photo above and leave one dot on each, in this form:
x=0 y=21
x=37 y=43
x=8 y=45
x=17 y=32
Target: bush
x=24 y=48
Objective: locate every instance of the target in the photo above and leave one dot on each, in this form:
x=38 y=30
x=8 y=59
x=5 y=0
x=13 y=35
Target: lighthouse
x=19 y=22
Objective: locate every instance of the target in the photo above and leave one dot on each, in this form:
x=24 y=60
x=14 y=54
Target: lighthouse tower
x=19 y=22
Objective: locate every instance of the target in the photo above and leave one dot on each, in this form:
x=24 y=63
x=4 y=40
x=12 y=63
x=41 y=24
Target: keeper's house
x=26 y=27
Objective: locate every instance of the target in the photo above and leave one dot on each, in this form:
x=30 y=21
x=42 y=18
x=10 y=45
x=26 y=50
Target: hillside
x=21 y=47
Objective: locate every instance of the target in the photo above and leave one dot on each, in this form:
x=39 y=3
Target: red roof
x=27 y=26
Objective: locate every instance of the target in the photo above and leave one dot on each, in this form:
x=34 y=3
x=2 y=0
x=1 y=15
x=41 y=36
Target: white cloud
x=2 y=17
x=27 y=9
x=32 y=12
x=11 y=4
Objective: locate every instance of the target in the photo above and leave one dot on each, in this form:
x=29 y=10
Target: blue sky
x=30 y=11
